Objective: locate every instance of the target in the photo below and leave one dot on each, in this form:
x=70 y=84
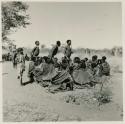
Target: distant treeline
x=115 y=51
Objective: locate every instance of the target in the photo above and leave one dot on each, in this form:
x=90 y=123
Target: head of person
x=103 y=58
x=37 y=43
x=94 y=58
x=33 y=59
x=64 y=59
x=58 y=43
x=82 y=64
x=86 y=59
x=64 y=63
x=45 y=59
x=89 y=63
x=83 y=61
x=19 y=50
x=68 y=42
x=76 y=60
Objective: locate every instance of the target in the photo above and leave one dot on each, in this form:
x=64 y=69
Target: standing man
x=54 y=50
x=35 y=52
x=68 y=50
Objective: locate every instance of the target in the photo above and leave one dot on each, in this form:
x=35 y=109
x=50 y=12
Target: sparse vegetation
x=103 y=96
x=14 y=16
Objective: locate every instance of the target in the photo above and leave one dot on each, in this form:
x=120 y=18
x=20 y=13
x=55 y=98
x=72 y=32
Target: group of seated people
x=67 y=71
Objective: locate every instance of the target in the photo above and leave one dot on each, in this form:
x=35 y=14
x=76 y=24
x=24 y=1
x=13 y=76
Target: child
x=76 y=63
x=95 y=60
x=99 y=68
x=83 y=64
x=105 y=67
x=86 y=59
x=21 y=64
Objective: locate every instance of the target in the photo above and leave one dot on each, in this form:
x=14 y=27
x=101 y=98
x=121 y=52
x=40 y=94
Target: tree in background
x=14 y=16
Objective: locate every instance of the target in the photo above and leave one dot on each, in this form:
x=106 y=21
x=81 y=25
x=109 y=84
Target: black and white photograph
x=61 y=61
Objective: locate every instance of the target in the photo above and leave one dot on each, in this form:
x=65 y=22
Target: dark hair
x=19 y=49
x=94 y=57
x=36 y=42
x=45 y=58
x=86 y=59
x=82 y=64
x=76 y=60
x=33 y=59
x=58 y=43
x=104 y=58
x=68 y=41
x=83 y=61
x=64 y=63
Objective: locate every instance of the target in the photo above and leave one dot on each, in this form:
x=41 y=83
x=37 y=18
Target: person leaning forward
x=54 y=50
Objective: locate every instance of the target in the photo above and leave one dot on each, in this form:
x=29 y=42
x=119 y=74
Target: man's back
x=53 y=52
x=35 y=51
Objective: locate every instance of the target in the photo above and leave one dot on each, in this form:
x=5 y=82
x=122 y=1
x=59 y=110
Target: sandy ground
x=34 y=103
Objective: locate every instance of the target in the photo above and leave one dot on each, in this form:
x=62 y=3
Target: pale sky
x=88 y=25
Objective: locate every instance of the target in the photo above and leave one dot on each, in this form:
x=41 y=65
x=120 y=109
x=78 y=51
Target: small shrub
x=104 y=96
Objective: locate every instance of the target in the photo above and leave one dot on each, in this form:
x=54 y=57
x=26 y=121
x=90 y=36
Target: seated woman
x=80 y=73
x=98 y=71
x=105 y=67
x=64 y=64
x=45 y=71
x=63 y=76
x=76 y=63
x=46 y=74
x=95 y=59
x=56 y=63
x=94 y=68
